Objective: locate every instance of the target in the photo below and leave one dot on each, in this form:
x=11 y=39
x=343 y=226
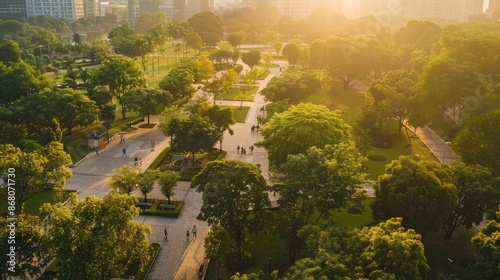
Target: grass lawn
x=236 y=94
x=438 y=252
x=349 y=102
x=343 y=218
x=33 y=204
x=240 y=114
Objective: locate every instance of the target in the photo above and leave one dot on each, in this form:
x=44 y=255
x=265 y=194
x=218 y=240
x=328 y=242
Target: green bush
x=159 y=158
x=154 y=211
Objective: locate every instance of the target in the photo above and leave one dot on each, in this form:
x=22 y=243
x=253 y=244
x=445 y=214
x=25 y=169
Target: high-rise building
x=173 y=9
x=92 y=8
x=11 y=9
x=62 y=9
x=493 y=8
x=297 y=9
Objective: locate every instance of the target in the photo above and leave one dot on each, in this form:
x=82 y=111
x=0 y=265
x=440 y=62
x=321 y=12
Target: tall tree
x=217 y=245
x=94 y=238
x=19 y=79
x=167 y=181
x=320 y=180
x=28 y=263
x=36 y=169
x=120 y=75
x=205 y=23
x=179 y=82
x=146 y=181
x=294 y=85
x=205 y=66
x=194 y=134
x=406 y=186
x=476 y=194
x=125 y=180
x=478 y=141
x=251 y=58
x=147 y=101
x=487 y=241
x=222 y=118
x=301 y=127
x=230 y=188
x=383 y=251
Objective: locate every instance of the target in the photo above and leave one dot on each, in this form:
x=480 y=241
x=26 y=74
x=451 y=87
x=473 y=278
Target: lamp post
x=444 y=150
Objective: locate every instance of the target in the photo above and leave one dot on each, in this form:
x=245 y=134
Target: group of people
x=138 y=162
x=243 y=150
x=255 y=128
x=193 y=232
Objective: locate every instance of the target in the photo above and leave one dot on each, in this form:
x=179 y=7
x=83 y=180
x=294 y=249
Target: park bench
x=143 y=204
x=167 y=206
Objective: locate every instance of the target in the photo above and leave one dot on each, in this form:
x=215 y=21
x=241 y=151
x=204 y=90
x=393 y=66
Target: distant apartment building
x=173 y=9
x=296 y=9
x=493 y=8
x=11 y=9
x=70 y=10
x=444 y=9
x=92 y=8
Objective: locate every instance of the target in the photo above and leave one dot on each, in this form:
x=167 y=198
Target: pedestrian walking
x=124 y=152
x=165 y=234
x=96 y=150
x=140 y=162
x=253 y=128
x=187 y=234
x=251 y=149
x=238 y=148
x=122 y=138
x=136 y=161
x=194 y=231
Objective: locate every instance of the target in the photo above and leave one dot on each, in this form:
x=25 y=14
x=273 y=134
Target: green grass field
x=33 y=204
x=237 y=94
x=240 y=114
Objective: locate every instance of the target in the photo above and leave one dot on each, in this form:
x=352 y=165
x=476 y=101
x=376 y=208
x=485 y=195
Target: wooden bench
x=167 y=206
x=143 y=204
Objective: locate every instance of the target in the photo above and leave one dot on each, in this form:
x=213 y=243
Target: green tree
x=319 y=180
x=235 y=39
x=120 y=75
x=478 y=141
x=96 y=238
x=179 y=82
x=406 y=186
x=420 y=34
x=230 y=188
x=205 y=66
x=301 y=127
x=146 y=181
x=222 y=118
x=167 y=181
x=213 y=87
x=217 y=245
x=291 y=52
x=125 y=180
x=194 y=134
x=205 y=23
x=251 y=58
x=27 y=251
x=294 y=85
x=487 y=241
x=36 y=169
x=147 y=101
x=384 y=251
x=475 y=195
x=19 y=79
x=9 y=52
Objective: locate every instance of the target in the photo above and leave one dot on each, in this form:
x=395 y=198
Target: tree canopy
x=36 y=169
x=407 y=186
x=95 y=238
x=478 y=141
x=120 y=75
x=301 y=127
x=230 y=188
x=383 y=251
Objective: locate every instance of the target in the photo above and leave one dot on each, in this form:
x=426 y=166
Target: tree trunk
x=238 y=247
x=148 y=118
x=145 y=198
